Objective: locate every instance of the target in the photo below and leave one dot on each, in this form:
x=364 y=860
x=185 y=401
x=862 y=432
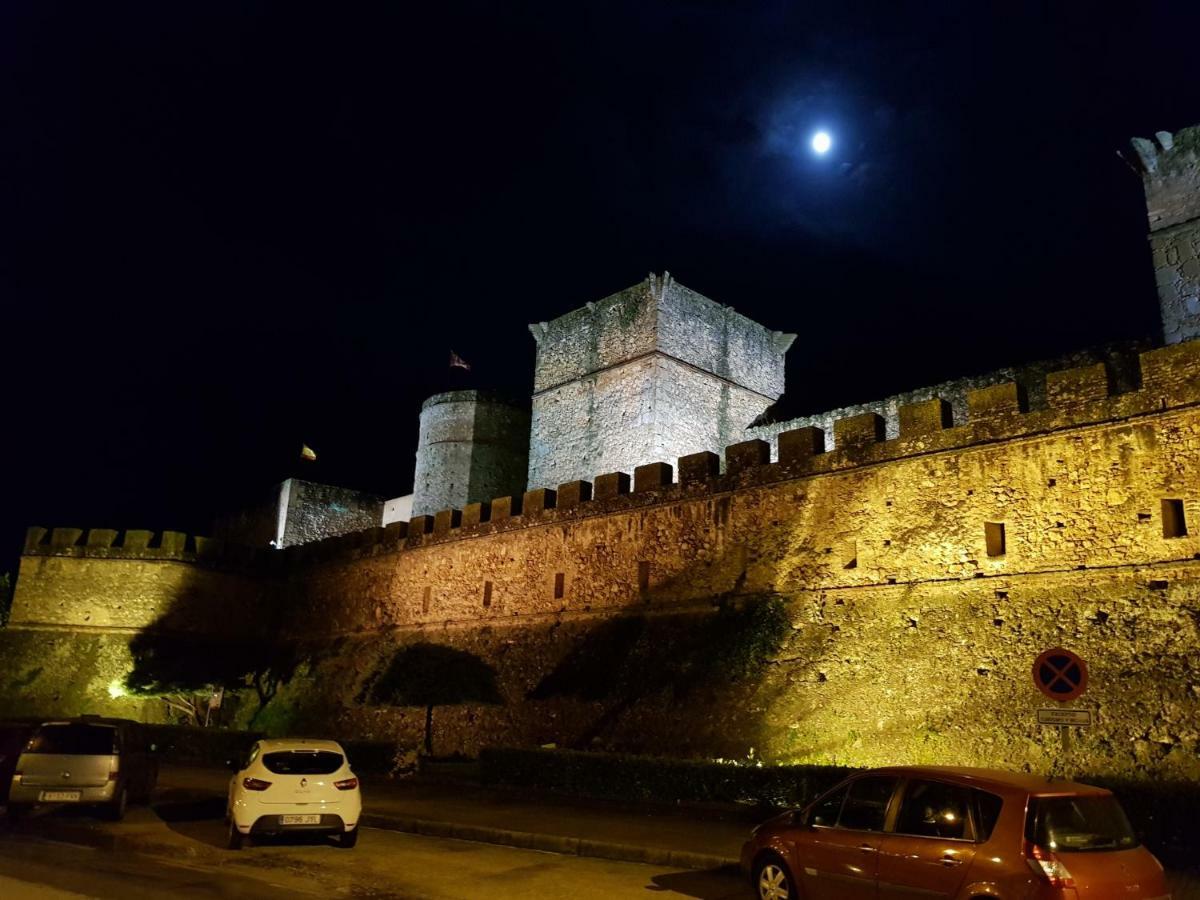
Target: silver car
x=88 y=760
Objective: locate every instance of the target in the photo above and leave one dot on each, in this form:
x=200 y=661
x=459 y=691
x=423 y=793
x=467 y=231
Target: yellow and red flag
x=307 y=453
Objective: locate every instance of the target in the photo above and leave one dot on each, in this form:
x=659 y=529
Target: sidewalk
x=686 y=838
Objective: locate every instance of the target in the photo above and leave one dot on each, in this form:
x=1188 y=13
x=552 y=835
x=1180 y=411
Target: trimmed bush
x=188 y=746
x=652 y=779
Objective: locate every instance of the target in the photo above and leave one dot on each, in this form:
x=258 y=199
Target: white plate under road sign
x=1064 y=716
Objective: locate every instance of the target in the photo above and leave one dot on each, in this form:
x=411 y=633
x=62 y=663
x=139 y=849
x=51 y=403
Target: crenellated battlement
x=112 y=543
x=1075 y=397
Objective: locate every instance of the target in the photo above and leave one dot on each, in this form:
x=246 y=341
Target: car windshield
x=74 y=740
x=302 y=762
x=1079 y=824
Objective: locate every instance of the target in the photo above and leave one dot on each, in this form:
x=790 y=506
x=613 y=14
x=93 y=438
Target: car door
x=931 y=844
x=838 y=857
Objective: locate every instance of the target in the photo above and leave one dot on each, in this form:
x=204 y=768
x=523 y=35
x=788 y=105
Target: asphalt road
x=384 y=865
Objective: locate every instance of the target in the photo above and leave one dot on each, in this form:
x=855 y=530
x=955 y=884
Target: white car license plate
x=299 y=820
x=58 y=796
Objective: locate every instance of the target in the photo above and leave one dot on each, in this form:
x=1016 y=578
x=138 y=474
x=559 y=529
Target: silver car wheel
x=773 y=882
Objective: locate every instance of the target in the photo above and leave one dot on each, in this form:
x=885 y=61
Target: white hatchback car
x=294 y=785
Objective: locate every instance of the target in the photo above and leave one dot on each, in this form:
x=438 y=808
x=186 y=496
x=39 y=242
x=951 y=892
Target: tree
x=432 y=675
x=184 y=670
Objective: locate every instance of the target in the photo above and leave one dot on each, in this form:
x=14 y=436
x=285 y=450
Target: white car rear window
x=302 y=762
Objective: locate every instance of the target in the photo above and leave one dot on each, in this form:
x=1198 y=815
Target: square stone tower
x=1170 y=167
x=649 y=374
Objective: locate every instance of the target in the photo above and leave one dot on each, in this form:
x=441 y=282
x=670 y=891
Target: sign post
x=1062 y=676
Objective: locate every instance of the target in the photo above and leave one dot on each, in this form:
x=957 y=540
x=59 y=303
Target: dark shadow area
x=431 y=675
x=623 y=661
x=205 y=648
x=725 y=883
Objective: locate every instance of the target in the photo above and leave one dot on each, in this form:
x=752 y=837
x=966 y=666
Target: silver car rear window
x=302 y=762
x=71 y=739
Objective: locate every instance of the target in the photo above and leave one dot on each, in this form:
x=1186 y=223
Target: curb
x=550 y=843
x=97 y=839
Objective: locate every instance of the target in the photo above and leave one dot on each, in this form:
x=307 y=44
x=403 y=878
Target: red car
x=962 y=834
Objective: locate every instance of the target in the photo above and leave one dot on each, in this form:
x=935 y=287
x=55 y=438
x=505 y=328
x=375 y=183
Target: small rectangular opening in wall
x=643 y=576
x=993 y=533
x=487 y=594
x=426 y=595
x=1173 y=521
x=560 y=585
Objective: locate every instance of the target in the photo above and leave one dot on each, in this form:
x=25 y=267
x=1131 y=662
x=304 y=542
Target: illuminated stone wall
x=108 y=581
x=909 y=639
x=1171 y=177
x=297 y=511
x=472 y=446
x=651 y=372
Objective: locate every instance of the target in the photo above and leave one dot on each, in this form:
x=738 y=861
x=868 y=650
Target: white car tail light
x=255 y=784
x=348 y=784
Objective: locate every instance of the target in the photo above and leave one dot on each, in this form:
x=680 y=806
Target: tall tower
x=1170 y=167
x=649 y=374
x=471 y=447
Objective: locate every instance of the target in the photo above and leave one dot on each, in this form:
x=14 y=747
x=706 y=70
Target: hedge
x=190 y=746
x=652 y=779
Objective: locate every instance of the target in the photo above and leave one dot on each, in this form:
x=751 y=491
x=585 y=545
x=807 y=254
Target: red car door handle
x=951 y=861
x=867 y=848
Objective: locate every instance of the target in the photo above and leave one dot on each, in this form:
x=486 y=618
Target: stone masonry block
x=101 y=538
x=64 y=538
x=136 y=540
x=420 y=525
x=445 y=519
x=504 y=508
x=574 y=493
x=476 y=513
x=800 y=444
x=927 y=417
x=1071 y=387
x=173 y=543
x=1173 y=371
x=856 y=431
x=395 y=531
x=537 y=501
x=34 y=536
x=699 y=467
x=652 y=476
x=996 y=401
x=746 y=455
x=611 y=484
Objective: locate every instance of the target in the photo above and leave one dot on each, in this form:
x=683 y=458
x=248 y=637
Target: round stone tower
x=473 y=446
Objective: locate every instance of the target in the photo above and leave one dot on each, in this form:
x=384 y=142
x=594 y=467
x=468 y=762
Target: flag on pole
x=307 y=453
x=457 y=362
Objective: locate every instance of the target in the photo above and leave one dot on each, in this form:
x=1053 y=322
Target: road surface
x=385 y=864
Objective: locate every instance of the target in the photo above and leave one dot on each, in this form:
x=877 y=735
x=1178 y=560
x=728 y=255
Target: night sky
x=229 y=228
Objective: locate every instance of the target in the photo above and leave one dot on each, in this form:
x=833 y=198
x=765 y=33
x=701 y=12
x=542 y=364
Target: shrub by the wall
x=657 y=780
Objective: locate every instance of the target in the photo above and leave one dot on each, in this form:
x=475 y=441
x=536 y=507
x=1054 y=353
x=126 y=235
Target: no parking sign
x=1060 y=674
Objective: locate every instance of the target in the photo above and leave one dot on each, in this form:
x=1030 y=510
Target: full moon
x=821 y=142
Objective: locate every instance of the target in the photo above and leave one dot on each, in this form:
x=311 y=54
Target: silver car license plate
x=60 y=796
x=299 y=820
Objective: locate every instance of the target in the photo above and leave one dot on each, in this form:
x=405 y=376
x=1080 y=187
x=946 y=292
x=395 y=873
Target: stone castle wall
x=1120 y=363
x=1171 y=177
x=652 y=372
x=472 y=446
x=902 y=622
x=298 y=511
